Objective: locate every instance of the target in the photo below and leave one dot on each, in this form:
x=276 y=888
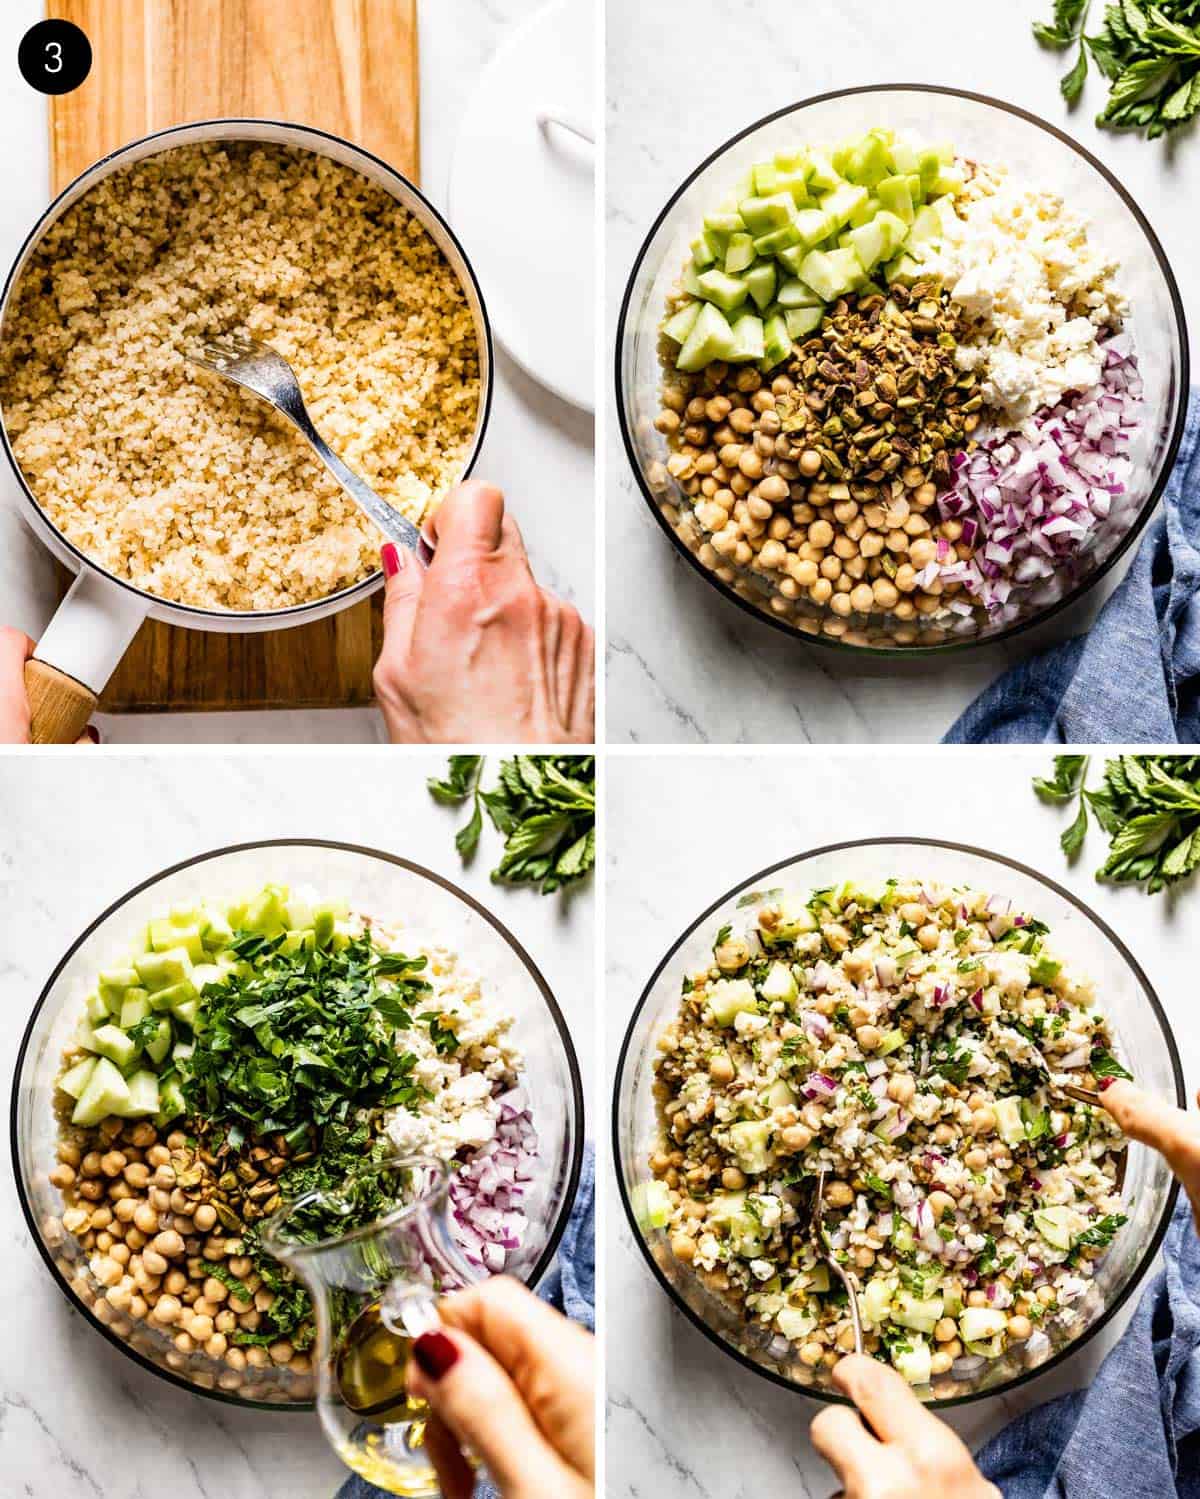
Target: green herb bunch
x=1149 y=805
x=544 y=805
x=1149 y=53
x=303 y=1039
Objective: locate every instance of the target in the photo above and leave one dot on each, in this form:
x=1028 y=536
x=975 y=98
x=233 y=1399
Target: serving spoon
x=262 y=370
x=815 y=1233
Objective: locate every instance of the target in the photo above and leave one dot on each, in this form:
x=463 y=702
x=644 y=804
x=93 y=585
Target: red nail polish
x=1105 y=1082
x=391 y=559
x=435 y=1354
x=93 y=733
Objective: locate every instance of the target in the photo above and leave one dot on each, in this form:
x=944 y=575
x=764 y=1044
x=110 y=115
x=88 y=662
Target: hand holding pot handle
x=38 y=704
x=59 y=706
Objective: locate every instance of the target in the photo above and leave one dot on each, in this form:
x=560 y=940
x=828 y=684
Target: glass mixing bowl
x=985 y=130
x=424 y=906
x=1144 y=1042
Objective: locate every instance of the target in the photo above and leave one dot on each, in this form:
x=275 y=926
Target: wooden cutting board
x=346 y=66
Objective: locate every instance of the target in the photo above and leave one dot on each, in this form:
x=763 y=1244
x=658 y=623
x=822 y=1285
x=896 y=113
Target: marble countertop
x=77 y=1419
x=538 y=449
x=685 y=1421
x=683 y=664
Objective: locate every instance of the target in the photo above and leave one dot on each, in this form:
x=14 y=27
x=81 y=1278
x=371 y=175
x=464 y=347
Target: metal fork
x=816 y=1236
x=259 y=368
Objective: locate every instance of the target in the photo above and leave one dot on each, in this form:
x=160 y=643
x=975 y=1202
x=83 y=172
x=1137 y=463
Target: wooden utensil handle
x=59 y=706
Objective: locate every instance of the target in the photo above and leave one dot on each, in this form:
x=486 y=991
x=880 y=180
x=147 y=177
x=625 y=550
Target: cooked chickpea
x=901 y=1088
x=1019 y=1329
x=940 y=1363
x=927 y=936
x=940 y=1203
x=839 y=1194
x=945 y=1330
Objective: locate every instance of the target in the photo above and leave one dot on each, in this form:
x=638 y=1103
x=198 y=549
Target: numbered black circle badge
x=54 y=57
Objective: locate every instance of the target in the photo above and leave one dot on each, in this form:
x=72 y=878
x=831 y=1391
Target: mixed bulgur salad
x=897 y=386
x=239 y=1057
x=888 y=1036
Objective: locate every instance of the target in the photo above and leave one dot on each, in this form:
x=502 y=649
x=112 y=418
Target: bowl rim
x=108 y=165
x=952 y=647
x=1156 y=1010
x=556 y=1017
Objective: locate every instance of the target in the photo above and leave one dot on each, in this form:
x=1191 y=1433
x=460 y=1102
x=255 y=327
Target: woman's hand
x=513 y=1381
x=892 y=1447
x=1174 y=1134
x=474 y=651
x=15 y=649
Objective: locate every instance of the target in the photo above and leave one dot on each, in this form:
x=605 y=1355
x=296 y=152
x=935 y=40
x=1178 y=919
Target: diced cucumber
x=113 y=1043
x=201 y=977
x=186 y=1011
x=795 y=183
x=96 y=1010
x=690 y=281
x=832 y=273
x=725 y=222
x=135 y=1008
x=739 y=256
x=778 y=342
x=265 y=914
x=1044 y=970
x=904 y=157
x=813 y=225
x=794 y=293
x=1058 y=1225
x=159 y=970
x=703 y=255
x=794 y=1323
x=801 y=321
x=143 y=1096
x=170 y=1100
x=160 y=1043
x=978 y=1323
x=1009 y=1124
x=869 y=161
x=167 y=999
x=925 y=227
x=761 y=214
x=166 y=935
x=839 y=206
x=949 y=180
x=76 y=1078
x=749 y=1142
x=324 y=917
x=876 y=1300
x=920 y=1315
x=293 y=942
x=747 y=337
x=85 y=1036
x=726 y=292
x=894 y=195
x=779 y=984
x=711 y=338
x=778 y=240
x=870 y=243
x=728 y=1209
x=766 y=178
x=215 y=930
x=760 y=279
x=822 y=177
x=779 y=1095
x=182 y=1050
x=914 y=1362
x=106 y=1093
x=892 y=1041
x=728 y=998
x=651 y=1205
x=112 y=984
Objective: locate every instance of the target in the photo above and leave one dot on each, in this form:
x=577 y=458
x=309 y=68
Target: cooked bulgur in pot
x=168 y=477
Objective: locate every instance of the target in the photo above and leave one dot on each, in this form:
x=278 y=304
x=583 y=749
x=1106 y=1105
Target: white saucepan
x=93 y=626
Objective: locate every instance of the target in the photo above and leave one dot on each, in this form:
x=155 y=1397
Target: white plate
x=522 y=197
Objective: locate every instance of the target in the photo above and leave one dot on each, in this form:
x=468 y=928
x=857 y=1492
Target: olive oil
x=371 y=1367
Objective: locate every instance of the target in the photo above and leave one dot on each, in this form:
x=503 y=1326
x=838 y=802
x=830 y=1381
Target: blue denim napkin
x=570 y=1287
x=1135 y=676
x=1135 y=1431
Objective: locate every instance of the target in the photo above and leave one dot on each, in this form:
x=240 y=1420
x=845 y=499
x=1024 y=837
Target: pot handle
x=79 y=650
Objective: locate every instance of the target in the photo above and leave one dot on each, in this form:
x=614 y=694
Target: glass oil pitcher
x=375 y=1290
